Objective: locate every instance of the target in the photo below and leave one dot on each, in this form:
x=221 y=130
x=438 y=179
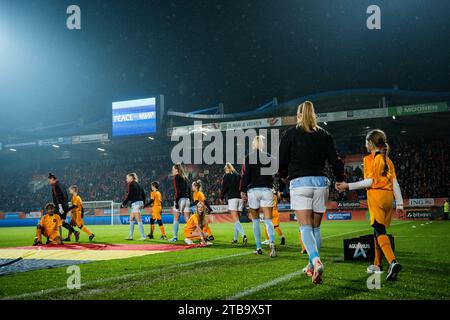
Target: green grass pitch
x=225 y=271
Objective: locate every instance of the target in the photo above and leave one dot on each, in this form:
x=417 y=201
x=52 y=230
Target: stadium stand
x=422 y=170
x=421 y=157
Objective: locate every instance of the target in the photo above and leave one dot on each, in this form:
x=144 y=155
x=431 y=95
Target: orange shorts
x=156 y=213
x=76 y=220
x=380 y=204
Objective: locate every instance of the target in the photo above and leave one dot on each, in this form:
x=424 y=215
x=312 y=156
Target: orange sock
x=208 y=230
x=86 y=231
x=385 y=244
x=278 y=230
x=378 y=254
x=163 y=232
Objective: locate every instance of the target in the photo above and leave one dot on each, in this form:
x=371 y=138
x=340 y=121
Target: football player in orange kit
x=49 y=226
x=199 y=196
x=382 y=187
x=156 y=203
x=195 y=226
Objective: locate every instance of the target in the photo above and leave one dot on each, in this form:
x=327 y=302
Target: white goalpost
x=101 y=209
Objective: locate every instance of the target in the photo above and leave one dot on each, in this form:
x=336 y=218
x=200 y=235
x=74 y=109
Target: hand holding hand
x=400 y=211
x=341 y=186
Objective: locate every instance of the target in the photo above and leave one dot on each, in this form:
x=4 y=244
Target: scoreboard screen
x=134 y=117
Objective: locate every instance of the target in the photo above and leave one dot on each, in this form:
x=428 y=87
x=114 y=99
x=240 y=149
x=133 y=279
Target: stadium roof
x=330 y=101
x=338 y=100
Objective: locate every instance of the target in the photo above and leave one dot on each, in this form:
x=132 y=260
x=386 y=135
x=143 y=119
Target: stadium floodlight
x=55 y=146
x=101 y=149
x=12 y=149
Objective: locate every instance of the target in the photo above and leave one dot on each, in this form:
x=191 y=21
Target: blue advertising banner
x=12 y=215
x=14 y=221
x=339 y=216
x=166 y=218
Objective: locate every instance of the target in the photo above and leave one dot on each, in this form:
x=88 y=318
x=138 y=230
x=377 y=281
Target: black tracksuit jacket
x=303 y=154
x=230 y=186
x=135 y=193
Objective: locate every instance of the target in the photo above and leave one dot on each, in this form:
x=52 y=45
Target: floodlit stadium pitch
x=226 y=271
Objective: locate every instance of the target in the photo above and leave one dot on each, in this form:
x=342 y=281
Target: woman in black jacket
x=303 y=153
x=61 y=202
x=182 y=195
x=230 y=190
x=135 y=198
x=256 y=188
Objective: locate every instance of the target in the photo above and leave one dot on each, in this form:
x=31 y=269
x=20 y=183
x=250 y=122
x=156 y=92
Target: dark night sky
x=199 y=53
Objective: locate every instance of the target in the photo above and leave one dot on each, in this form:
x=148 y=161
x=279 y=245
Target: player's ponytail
x=379 y=140
x=198 y=185
x=258 y=143
x=229 y=168
x=306 y=117
x=385 y=152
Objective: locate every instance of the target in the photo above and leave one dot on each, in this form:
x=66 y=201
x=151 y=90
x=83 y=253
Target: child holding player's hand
x=382 y=187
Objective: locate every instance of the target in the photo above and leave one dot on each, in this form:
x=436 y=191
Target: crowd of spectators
x=422 y=169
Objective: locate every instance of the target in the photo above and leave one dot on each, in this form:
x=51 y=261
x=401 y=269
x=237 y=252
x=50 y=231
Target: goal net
x=101 y=212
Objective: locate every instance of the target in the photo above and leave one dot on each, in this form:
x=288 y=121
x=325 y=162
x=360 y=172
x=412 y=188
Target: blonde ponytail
x=198 y=185
x=258 y=143
x=308 y=119
x=229 y=168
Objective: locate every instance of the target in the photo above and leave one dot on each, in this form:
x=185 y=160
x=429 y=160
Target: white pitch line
x=265 y=285
x=122 y=277
x=294 y=274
